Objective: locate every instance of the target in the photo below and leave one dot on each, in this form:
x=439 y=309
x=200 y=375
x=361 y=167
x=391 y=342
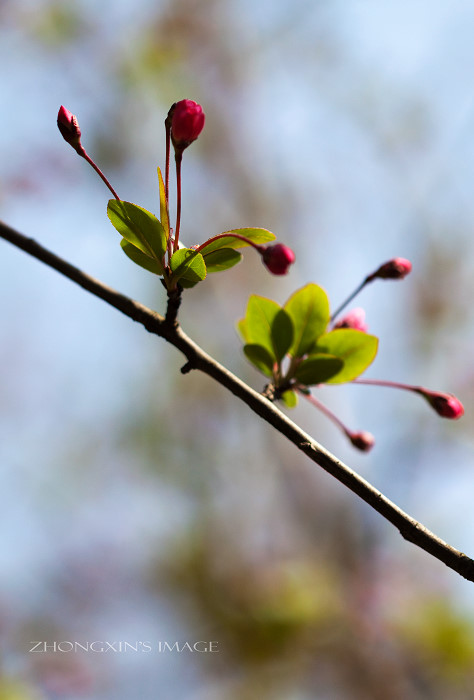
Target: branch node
x=174 y=302
x=187 y=367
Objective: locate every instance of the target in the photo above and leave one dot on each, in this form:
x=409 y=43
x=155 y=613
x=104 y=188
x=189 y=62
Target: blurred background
x=142 y=506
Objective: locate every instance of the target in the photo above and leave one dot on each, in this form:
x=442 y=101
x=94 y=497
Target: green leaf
x=317 y=369
x=163 y=208
x=140 y=258
x=139 y=227
x=267 y=324
x=260 y=357
x=290 y=398
x=308 y=309
x=260 y=315
x=356 y=348
x=222 y=259
x=256 y=235
x=241 y=327
x=282 y=334
x=188 y=267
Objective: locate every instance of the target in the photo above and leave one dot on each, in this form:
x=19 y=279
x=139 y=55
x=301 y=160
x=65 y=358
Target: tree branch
x=196 y=358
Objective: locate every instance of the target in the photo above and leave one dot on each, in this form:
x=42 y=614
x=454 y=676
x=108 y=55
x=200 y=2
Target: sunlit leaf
x=355 y=348
x=222 y=259
x=318 y=369
x=163 y=208
x=187 y=267
x=260 y=357
x=139 y=227
x=256 y=235
x=140 y=258
x=290 y=398
x=241 y=327
x=308 y=309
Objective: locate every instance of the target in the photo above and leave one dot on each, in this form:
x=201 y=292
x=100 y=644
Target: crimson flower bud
x=187 y=122
x=69 y=128
x=395 y=269
x=364 y=441
x=445 y=405
x=354 y=319
x=277 y=258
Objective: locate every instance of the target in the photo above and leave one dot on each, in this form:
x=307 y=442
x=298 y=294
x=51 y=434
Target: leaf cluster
x=147 y=241
x=293 y=346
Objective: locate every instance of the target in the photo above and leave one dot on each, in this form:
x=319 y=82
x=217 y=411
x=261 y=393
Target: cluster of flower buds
x=445 y=405
x=184 y=122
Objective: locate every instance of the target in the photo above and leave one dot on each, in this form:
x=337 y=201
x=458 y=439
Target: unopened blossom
x=354 y=319
x=277 y=258
x=187 y=122
x=364 y=441
x=69 y=128
x=395 y=269
x=445 y=405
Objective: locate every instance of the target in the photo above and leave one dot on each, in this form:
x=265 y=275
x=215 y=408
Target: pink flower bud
x=69 y=128
x=395 y=269
x=187 y=122
x=277 y=258
x=363 y=441
x=445 y=405
x=354 y=319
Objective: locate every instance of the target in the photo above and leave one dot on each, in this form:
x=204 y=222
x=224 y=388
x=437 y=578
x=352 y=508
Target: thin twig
x=410 y=529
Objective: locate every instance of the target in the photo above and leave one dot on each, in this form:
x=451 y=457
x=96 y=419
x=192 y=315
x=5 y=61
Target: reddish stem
x=393 y=385
x=99 y=172
x=167 y=163
x=327 y=412
x=178 y=159
x=228 y=235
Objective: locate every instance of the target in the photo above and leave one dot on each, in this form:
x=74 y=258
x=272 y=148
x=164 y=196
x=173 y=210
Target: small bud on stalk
x=364 y=441
x=445 y=405
x=395 y=269
x=69 y=128
x=354 y=319
x=277 y=258
x=70 y=131
x=187 y=122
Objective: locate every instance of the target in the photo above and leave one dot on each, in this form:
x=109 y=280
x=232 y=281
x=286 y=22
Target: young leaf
x=266 y=324
x=260 y=357
x=308 y=309
x=188 y=267
x=318 y=369
x=256 y=235
x=222 y=259
x=140 y=258
x=163 y=208
x=139 y=227
x=290 y=398
x=355 y=348
x=282 y=334
x=241 y=327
